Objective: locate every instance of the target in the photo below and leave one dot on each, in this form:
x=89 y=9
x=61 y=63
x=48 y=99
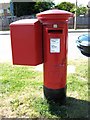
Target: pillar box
x=55 y=32
x=53 y=36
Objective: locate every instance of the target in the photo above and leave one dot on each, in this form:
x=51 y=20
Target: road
x=73 y=52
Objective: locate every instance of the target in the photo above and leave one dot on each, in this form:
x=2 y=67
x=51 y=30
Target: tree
x=81 y=10
x=42 y=6
x=65 y=6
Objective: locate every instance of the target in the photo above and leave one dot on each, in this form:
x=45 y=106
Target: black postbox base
x=55 y=95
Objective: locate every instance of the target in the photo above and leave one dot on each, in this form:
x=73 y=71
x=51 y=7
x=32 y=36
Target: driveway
x=5 y=47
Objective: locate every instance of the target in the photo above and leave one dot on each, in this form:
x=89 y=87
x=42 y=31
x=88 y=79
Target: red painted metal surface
x=55 y=64
x=55 y=33
x=26 y=41
x=54 y=15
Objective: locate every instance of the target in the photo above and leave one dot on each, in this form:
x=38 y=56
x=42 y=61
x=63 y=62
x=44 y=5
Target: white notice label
x=55 y=45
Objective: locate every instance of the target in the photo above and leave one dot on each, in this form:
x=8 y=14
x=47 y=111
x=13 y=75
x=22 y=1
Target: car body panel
x=83 y=43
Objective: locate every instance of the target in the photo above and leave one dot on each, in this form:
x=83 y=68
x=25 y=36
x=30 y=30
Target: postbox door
x=55 y=51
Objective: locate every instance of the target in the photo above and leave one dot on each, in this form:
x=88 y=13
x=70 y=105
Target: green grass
x=16 y=78
x=78 y=82
x=21 y=93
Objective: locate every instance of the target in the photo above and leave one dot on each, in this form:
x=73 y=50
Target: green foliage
x=65 y=6
x=42 y=6
x=81 y=10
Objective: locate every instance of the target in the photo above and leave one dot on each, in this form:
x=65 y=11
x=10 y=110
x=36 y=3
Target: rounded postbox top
x=54 y=14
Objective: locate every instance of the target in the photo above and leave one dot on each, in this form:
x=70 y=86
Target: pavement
x=4 y=32
x=78 y=30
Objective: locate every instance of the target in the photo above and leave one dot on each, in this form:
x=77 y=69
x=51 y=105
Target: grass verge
x=21 y=93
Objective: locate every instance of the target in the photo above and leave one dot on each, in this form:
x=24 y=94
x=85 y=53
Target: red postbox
x=45 y=40
x=55 y=31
